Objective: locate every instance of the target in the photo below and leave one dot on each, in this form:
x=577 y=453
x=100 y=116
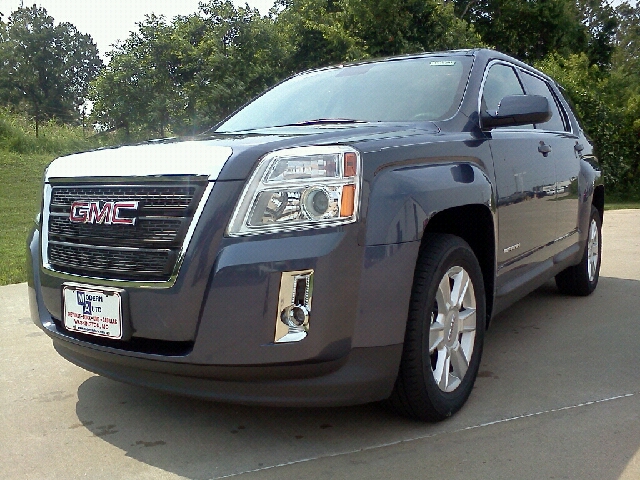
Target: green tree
x=141 y=88
x=46 y=68
x=626 y=75
x=528 y=30
x=316 y=34
x=391 y=27
x=323 y=32
x=183 y=76
x=5 y=88
x=117 y=95
x=243 y=54
x=601 y=102
x=601 y=22
x=627 y=40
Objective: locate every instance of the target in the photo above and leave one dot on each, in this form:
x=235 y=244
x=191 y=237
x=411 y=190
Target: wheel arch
x=403 y=200
x=475 y=225
x=404 y=204
x=598 y=200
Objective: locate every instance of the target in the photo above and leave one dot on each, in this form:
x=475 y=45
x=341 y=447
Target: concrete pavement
x=558 y=396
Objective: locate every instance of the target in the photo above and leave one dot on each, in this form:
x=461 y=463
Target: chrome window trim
x=160 y=284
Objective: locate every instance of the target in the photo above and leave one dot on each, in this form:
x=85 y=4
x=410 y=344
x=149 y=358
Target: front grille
x=147 y=250
x=146 y=230
x=134 y=262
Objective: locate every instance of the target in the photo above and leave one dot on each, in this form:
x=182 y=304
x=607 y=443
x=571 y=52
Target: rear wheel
x=582 y=279
x=445 y=331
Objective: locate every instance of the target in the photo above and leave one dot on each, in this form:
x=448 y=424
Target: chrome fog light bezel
x=294 y=306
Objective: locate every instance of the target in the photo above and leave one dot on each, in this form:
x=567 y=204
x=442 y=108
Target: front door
x=525 y=177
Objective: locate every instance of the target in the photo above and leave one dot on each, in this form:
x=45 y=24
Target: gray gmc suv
x=344 y=238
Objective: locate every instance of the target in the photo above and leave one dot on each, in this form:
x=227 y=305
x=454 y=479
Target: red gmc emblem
x=108 y=213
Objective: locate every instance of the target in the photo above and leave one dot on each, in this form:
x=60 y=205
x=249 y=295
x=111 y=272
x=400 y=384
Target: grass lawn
x=20 y=178
x=620 y=205
x=23 y=158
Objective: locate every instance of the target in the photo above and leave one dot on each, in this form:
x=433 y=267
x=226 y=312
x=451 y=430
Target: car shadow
x=546 y=352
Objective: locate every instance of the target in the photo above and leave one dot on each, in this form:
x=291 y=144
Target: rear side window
x=536 y=86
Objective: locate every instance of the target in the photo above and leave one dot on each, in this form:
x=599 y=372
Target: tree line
x=181 y=76
x=45 y=69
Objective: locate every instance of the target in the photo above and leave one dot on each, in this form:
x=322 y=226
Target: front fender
x=401 y=203
x=403 y=200
x=589 y=180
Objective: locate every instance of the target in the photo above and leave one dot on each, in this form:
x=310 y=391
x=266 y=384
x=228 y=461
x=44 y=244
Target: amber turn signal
x=350 y=164
x=347 y=205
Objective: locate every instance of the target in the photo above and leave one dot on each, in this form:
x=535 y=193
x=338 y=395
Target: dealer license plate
x=92 y=311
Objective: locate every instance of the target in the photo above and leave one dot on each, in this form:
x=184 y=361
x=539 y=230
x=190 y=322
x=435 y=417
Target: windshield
x=414 y=89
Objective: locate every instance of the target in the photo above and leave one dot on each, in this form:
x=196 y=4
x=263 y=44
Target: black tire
x=582 y=279
x=416 y=393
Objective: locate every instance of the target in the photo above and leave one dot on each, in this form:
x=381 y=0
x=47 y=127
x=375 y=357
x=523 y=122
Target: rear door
x=561 y=142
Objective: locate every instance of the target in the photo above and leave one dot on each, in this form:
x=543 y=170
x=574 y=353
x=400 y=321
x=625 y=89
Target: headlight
x=299 y=188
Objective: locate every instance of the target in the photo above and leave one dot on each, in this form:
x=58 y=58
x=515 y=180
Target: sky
x=108 y=21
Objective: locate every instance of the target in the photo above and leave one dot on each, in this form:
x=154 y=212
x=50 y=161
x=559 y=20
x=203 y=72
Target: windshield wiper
x=324 y=121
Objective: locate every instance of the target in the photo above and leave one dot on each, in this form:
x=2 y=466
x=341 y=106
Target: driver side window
x=500 y=82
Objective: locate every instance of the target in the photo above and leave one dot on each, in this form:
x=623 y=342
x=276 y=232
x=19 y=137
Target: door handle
x=544 y=149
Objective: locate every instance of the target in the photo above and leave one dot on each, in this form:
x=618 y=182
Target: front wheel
x=445 y=331
x=582 y=279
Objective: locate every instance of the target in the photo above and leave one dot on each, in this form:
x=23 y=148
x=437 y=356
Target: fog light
x=294 y=306
x=295 y=316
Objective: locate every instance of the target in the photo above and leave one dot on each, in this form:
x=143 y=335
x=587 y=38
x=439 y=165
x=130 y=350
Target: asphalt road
x=558 y=396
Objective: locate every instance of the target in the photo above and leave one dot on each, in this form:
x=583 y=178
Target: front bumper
x=211 y=334
x=364 y=375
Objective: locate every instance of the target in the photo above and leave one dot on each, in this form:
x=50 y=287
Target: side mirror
x=518 y=110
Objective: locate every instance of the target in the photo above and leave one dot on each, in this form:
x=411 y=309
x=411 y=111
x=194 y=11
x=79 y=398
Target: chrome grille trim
x=105 y=247
x=178 y=250
x=153 y=197
x=149 y=229
x=133 y=262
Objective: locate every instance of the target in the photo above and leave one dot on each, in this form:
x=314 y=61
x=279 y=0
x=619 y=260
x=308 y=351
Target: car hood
x=222 y=156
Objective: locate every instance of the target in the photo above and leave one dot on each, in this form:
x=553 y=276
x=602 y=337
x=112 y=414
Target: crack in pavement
x=433 y=435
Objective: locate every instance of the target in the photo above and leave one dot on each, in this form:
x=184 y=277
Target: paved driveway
x=558 y=396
